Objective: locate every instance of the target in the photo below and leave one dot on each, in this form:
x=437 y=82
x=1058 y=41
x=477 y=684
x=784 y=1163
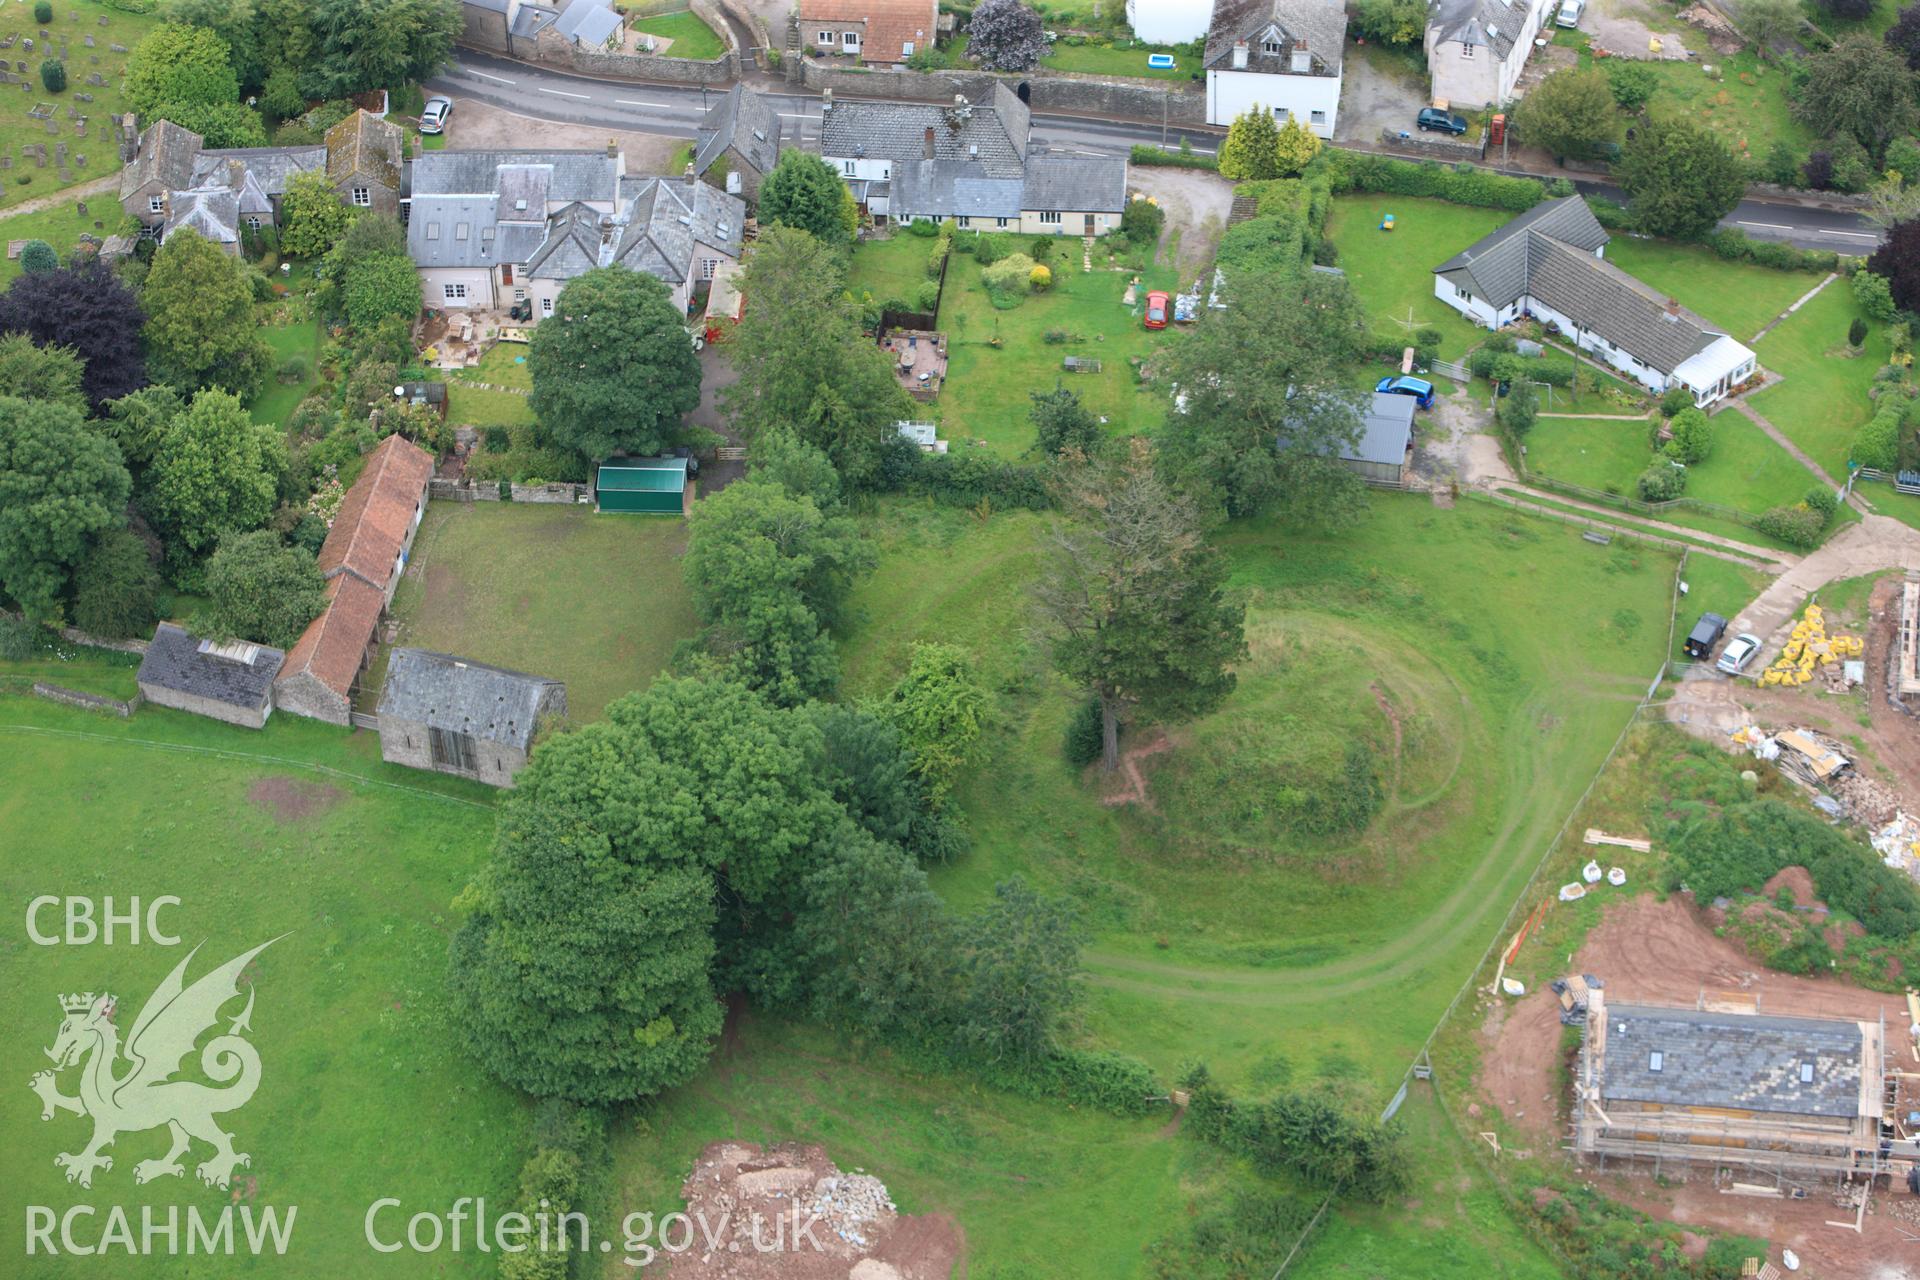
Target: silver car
x=433 y=118
x=1739 y=652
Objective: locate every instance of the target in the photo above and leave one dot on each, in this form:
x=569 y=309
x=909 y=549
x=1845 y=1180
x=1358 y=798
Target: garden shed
x=643 y=486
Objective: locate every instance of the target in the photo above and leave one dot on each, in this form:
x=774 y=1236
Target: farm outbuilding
x=1735 y=1088
x=466 y=718
x=643 y=486
x=1379 y=455
x=230 y=682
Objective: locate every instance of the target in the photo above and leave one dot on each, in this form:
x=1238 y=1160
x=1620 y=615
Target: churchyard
x=52 y=140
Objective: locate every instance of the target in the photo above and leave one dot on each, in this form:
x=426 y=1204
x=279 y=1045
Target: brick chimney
x=689 y=176
x=927 y=147
x=613 y=148
x=1673 y=308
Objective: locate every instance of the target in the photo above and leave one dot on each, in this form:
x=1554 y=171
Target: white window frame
x=906 y=48
x=849 y=39
x=708 y=266
x=1317 y=117
x=156 y=204
x=963 y=221
x=823 y=37
x=849 y=167
x=453 y=291
x=1466 y=50
x=253 y=222
x=363 y=197
x=546 y=306
x=1272 y=47
x=1049 y=217
x=1001 y=222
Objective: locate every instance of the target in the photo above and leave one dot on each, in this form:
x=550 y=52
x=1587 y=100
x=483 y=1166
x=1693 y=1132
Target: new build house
x=971 y=163
x=491 y=228
x=1282 y=56
x=1549 y=264
x=1476 y=49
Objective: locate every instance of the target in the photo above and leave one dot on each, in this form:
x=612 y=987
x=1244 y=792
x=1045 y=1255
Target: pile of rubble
x=1573 y=990
x=1868 y=802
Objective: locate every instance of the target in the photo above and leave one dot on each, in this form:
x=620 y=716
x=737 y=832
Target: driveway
x=475 y=126
x=1379 y=92
x=1196 y=204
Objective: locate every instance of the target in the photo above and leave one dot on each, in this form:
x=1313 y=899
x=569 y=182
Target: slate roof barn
x=1730 y=1086
x=230 y=682
x=452 y=715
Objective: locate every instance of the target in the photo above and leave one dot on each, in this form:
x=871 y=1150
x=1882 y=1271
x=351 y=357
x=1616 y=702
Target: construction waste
x=1809 y=649
x=1572 y=991
x=1898 y=844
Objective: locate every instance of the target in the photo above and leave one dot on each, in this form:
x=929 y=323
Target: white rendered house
x=1282 y=56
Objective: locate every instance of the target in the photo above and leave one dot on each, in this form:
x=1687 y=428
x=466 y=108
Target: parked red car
x=1157 y=303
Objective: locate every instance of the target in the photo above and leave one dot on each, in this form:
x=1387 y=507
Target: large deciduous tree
x=1861 y=88
x=373 y=44
x=200 y=328
x=1005 y=35
x=215 y=472
x=219 y=124
x=1135 y=598
x=1903 y=37
x=1252 y=146
x=61 y=485
x=1062 y=423
x=803 y=191
x=1019 y=970
x=940 y=708
x=87 y=309
x=261 y=589
x=803 y=364
x=1571 y=113
x=1898 y=259
x=769 y=573
x=379 y=287
x=179 y=65
x=613 y=367
x=30 y=372
x=312 y=216
x=114 y=588
x=1264 y=403
x=1680 y=178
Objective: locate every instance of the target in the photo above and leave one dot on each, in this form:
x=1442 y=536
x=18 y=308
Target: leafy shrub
x=1692 y=436
x=1040 y=279
x=968 y=479
x=1008 y=279
x=1112 y=1082
x=1823 y=500
x=987 y=251
x=1875 y=296
x=1306 y=1132
x=927 y=295
x=1084 y=741
x=21 y=640
x=294 y=370
x=37 y=256
x=937 y=257
x=1735 y=245
x=1633 y=83
x=53 y=75
x=1798 y=525
x=1148 y=155
x=923 y=227
x=1857 y=332
x=42 y=12
x=1142 y=221
x=1459 y=184
x=497 y=438
x=1661 y=482
x=115 y=588
x=1675 y=400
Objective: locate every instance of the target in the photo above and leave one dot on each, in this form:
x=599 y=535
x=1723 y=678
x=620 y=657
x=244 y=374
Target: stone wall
x=407 y=742
x=88 y=701
x=245 y=717
x=557 y=492
x=462 y=491
x=554 y=50
x=1431 y=147
x=1067 y=94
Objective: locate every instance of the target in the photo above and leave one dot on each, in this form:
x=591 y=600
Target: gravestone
x=80 y=207
x=84 y=97
x=79 y=160
x=73 y=112
x=27 y=44
x=87 y=40
x=6 y=162
x=80 y=129
x=65 y=176
x=60 y=154
x=103 y=20
x=39 y=157
x=53 y=127
x=10 y=38
x=97 y=80
x=118 y=48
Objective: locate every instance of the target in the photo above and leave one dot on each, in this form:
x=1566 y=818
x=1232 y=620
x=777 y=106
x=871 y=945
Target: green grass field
x=596 y=601
x=472 y=406
x=1746 y=469
x=291 y=329
x=60 y=226
x=1821 y=402
x=1739 y=296
x=1392 y=271
x=73 y=21
x=892 y=269
x=1746 y=107
x=1104 y=60
x=691 y=36
x=987 y=388
x=1509 y=652
x=362 y=1094
x=504 y=365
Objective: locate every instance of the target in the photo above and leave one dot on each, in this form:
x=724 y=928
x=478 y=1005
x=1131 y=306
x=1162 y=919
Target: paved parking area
x=475 y=125
x=1378 y=92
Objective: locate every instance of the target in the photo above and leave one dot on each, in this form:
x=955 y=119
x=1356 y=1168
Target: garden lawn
x=1715 y=586
x=1746 y=469
x=1821 y=402
x=986 y=396
x=352 y=878
x=1510 y=652
x=1598 y=453
x=1746 y=108
x=1105 y=60
x=1740 y=297
x=1392 y=271
x=691 y=36
x=504 y=365
x=593 y=600
x=471 y=406
x=291 y=329
x=894 y=269
x=60 y=226
x=72 y=21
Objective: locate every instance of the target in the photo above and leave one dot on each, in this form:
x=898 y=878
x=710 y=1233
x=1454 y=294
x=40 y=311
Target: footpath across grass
x=1821 y=402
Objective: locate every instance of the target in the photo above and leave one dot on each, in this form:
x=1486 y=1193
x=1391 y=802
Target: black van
x=1706 y=633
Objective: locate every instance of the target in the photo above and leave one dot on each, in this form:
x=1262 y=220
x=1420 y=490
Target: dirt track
x=1663 y=953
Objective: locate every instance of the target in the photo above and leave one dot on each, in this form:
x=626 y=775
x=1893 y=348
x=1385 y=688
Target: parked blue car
x=1419 y=388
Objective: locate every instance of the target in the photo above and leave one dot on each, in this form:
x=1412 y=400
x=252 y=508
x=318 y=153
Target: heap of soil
x=736 y=1186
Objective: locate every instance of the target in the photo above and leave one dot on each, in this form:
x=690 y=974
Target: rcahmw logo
x=128 y=1087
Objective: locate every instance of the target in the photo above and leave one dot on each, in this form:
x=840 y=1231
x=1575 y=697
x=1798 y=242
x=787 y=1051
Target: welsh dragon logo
x=128 y=1088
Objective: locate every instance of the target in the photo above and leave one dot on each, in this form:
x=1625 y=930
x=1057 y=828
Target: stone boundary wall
x=1431 y=147
x=463 y=491
x=74 y=635
x=489 y=491
x=556 y=492
x=87 y=701
x=552 y=49
x=1070 y=93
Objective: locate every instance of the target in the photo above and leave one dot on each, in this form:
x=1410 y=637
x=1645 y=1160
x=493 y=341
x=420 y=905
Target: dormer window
x=363 y=197
x=1271 y=47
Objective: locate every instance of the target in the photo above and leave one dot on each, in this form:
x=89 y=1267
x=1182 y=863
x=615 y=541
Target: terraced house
x=488 y=229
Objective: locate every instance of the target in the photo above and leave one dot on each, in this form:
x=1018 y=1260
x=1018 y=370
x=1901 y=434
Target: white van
x=1570 y=11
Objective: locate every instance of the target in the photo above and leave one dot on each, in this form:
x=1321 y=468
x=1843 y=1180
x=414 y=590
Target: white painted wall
x=1168 y=21
x=1233 y=93
x=1070 y=224
x=479 y=282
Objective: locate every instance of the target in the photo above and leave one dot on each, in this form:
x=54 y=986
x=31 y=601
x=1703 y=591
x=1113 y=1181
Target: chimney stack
x=613 y=148
x=959 y=100
x=1239 y=55
x=689 y=175
x=1302 y=60
x=928 y=148
x=826 y=98
x=1673 y=307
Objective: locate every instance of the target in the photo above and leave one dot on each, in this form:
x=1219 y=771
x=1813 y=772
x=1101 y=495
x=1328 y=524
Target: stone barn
x=466 y=718
x=230 y=682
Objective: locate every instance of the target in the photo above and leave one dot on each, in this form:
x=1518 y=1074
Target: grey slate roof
x=1739 y=1061
x=571 y=246
x=1490 y=24
x=576 y=175
x=743 y=119
x=270 y=167
x=445 y=692
x=433 y=232
x=531 y=19
x=587 y=22
x=214 y=212
x=1386 y=430
x=953 y=189
x=1076 y=184
x=166 y=155
x=1497 y=263
x=174 y=661
x=665 y=219
x=994 y=133
x=1322 y=24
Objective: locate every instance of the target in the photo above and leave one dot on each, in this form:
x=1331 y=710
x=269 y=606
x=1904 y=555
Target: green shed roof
x=647 y=475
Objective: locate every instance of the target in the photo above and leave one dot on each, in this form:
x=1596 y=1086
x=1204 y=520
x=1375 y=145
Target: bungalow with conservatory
x=1549 y=264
